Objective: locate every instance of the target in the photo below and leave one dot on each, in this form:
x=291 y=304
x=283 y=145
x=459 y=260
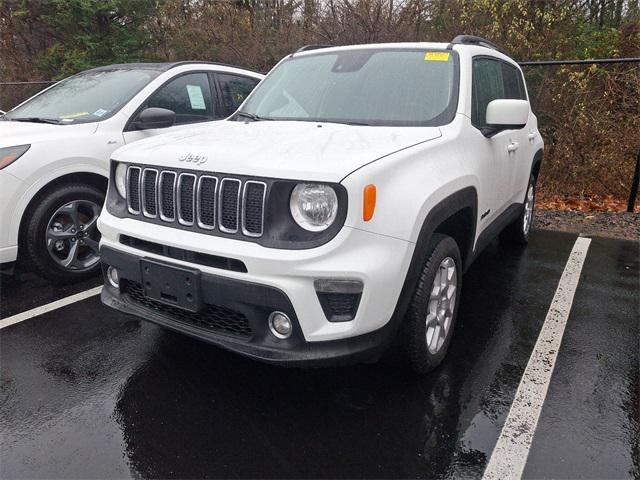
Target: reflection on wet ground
x=90 y=392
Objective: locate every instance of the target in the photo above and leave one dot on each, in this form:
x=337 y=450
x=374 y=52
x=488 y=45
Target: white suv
x=335 y=211
x=55 y=149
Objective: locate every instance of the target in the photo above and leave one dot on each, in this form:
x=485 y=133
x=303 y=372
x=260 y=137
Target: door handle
x=531 y=136
x=513 y=146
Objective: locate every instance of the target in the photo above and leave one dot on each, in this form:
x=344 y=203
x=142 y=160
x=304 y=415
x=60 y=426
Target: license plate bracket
x=171 y=285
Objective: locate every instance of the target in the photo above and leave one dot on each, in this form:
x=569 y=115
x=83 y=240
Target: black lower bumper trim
x=249 y=302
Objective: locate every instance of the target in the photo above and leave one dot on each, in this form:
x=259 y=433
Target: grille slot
x=186 y=193
x=207 y=189
x=149 y=192
x=204 y=202
x=167 y=196
x=253 y=208
x=229 y=205
x=211 y=317
x=133 y=190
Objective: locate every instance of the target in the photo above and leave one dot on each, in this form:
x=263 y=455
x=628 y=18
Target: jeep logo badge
x=191 y=158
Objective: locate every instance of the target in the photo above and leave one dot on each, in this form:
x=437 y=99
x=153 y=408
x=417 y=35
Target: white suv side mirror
x=505 y=114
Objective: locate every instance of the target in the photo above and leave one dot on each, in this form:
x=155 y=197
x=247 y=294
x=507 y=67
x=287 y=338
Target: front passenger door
x=189 y=96
x=488 y=85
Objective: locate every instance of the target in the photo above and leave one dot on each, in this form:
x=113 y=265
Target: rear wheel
x=428 y=325
x=61 y=237
x=517 y=233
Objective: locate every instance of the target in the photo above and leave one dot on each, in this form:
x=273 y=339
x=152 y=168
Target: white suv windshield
x=369 y=87
x=86 y=97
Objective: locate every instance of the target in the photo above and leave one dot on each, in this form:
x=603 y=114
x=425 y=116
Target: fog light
x=280 y=325
x=112 y=276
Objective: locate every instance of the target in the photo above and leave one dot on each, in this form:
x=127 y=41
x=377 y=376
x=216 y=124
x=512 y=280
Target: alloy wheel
x=72 y=236
x=528 y=210
x=442 y=302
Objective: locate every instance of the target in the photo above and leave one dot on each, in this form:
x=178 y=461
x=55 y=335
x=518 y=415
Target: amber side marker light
x=369 y=202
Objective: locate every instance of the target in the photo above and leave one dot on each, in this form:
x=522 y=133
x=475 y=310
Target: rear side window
x=189 y=96
x=493 y=79
x=234 y=89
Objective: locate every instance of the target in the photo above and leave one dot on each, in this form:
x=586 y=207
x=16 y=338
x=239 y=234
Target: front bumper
x=11 y=188
x=239 y=310
x=379 y=262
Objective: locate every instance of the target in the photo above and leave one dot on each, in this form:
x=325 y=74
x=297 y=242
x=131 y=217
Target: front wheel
x=517 y=233
x=61 y=237
x=428 y=325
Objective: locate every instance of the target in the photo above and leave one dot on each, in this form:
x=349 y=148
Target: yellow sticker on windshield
x=436 y=56
x=74 y=115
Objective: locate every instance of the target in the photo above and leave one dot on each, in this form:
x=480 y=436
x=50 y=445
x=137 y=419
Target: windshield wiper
x=252 y=116
x=52 y=121
x=349 y=123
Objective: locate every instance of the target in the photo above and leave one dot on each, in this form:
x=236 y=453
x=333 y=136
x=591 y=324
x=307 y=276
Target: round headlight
x=313 y=206
x=120 y=178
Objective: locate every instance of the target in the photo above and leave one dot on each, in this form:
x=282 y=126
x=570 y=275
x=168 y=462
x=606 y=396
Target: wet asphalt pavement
x=88 y=392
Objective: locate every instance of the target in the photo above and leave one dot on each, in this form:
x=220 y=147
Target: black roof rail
x=473 y=40
x=306 y=48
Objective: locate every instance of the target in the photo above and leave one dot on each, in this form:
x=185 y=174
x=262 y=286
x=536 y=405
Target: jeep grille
x=199 y=200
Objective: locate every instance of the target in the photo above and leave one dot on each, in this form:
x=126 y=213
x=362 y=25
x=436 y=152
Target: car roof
x=455 y=45
x=311 y=49
x=160 y=66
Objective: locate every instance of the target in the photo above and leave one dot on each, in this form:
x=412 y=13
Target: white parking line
x=510 y=454
x=34 y=312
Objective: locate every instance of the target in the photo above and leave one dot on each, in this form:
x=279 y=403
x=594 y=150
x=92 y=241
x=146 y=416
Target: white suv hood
x=293 y=150
x=22 y=133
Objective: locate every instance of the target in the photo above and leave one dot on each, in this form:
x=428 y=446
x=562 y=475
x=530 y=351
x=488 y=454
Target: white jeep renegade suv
x=335 y=211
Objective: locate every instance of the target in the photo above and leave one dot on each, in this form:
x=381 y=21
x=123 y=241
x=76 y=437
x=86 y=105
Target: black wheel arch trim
x=537 y=163
x=445 y=209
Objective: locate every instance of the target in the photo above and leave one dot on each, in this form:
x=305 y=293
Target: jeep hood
x=293 y=150
x=20 y=133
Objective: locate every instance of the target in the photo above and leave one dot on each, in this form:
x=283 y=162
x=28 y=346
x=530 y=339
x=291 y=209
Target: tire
x=55 y=245
x=417 y=345
x=518 y=232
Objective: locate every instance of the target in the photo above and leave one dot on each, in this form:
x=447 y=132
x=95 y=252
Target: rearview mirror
x=154 y=117
x=505 y=114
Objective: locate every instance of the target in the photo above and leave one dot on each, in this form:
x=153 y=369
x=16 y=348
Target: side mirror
x=154 y=117
x=505 y=114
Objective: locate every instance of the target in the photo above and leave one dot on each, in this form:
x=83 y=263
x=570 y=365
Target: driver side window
x=189 y=96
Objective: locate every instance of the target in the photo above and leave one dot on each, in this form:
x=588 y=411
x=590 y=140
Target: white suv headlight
x=313 y=206
x=120 y=179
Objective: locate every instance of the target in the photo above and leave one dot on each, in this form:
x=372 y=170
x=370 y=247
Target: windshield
x=371 y=87
x=86 y=97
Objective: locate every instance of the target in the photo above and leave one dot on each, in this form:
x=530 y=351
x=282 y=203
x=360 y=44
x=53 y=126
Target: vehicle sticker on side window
x=437 y=56
x=195 y=97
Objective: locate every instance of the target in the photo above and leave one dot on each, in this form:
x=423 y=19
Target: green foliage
x=88 y=33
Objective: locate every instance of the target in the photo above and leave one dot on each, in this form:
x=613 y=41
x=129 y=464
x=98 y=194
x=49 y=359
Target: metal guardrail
x=594 y=61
